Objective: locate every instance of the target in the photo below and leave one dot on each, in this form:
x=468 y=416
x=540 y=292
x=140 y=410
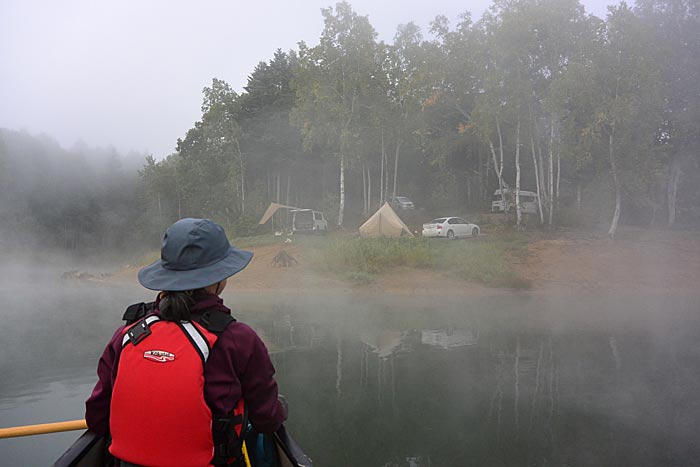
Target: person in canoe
x=178 y=384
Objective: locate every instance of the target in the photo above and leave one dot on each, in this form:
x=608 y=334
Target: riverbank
x=636 y=259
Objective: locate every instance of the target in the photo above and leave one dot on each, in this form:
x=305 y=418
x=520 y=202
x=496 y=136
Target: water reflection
x=502 y=389
x=449 y=339
x=389 y=382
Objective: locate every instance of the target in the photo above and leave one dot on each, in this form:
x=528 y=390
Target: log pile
x=284 y=260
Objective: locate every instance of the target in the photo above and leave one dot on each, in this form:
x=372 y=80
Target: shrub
x=374 y=255
x=488 y=262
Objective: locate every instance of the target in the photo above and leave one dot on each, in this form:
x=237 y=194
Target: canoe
x=89 y=451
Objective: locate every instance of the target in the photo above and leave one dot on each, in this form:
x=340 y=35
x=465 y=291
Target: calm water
x=501 y=379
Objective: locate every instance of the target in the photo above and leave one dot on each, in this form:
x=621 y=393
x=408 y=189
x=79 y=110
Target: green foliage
x=422 y=114
x=256 y=241
x=373 y=255
x=361 y=277
x=209 y=158
x=333 y=82
x=488 y=262
x=246 y=225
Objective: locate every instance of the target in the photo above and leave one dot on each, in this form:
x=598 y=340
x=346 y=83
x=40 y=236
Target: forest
x=600 y=117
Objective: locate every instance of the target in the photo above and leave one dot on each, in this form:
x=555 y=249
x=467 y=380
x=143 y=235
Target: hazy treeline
x=599 y=116
x=82 y=199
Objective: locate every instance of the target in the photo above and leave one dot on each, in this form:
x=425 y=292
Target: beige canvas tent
x=271 y=210
x=384 y=223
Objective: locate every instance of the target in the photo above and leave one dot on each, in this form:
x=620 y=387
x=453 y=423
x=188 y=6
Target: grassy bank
x=487 y=260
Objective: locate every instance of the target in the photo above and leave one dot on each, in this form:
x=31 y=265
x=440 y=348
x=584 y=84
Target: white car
x=450 y=227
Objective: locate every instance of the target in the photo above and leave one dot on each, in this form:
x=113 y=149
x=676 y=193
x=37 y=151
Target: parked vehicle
x=308 y=220
x=401 y=202
x=506 y=202
x=450 y=227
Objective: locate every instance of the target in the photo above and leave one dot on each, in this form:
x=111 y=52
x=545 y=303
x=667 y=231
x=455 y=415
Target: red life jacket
x=158 y=415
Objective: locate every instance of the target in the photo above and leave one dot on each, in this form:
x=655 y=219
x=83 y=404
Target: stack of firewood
x=284 y=260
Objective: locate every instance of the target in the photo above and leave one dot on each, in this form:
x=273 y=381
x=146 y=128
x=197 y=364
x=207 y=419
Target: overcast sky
x=130 y=73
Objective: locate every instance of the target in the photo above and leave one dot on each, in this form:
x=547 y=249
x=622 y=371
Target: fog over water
x=503 y=378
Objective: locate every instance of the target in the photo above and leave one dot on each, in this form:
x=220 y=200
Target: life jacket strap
x=142 y=329
x=200 y=343
x=137 y=311
x=229 y=432
x=212 y=320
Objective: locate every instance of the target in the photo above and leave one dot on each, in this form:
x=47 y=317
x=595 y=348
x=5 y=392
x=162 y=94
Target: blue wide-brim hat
x=195 y=254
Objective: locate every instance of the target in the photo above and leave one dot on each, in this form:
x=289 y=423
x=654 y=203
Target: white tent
x=384 y=223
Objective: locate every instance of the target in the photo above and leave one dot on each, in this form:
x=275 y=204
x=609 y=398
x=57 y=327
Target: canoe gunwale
x=89 y=451
x=89 y=447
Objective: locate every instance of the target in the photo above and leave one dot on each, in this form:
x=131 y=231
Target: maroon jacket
x=238 y=366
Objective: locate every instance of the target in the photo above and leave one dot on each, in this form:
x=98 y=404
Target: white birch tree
x=334 y=82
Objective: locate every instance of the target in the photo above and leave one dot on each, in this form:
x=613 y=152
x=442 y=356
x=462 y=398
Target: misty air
x=381 y=234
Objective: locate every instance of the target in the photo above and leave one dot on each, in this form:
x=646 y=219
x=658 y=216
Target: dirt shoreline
x=636 y=260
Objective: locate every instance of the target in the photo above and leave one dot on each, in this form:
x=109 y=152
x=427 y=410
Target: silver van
x=401 y=202
x=308 y=220
x=506 y=202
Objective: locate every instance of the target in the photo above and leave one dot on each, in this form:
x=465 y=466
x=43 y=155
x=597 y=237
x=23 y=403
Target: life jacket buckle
x=139 y=332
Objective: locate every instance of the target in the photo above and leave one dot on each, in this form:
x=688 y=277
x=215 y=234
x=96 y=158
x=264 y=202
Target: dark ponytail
x=175 y=306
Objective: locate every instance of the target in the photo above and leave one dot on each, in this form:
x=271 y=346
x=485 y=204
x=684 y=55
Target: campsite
x=353 y=233
x=389 y=257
